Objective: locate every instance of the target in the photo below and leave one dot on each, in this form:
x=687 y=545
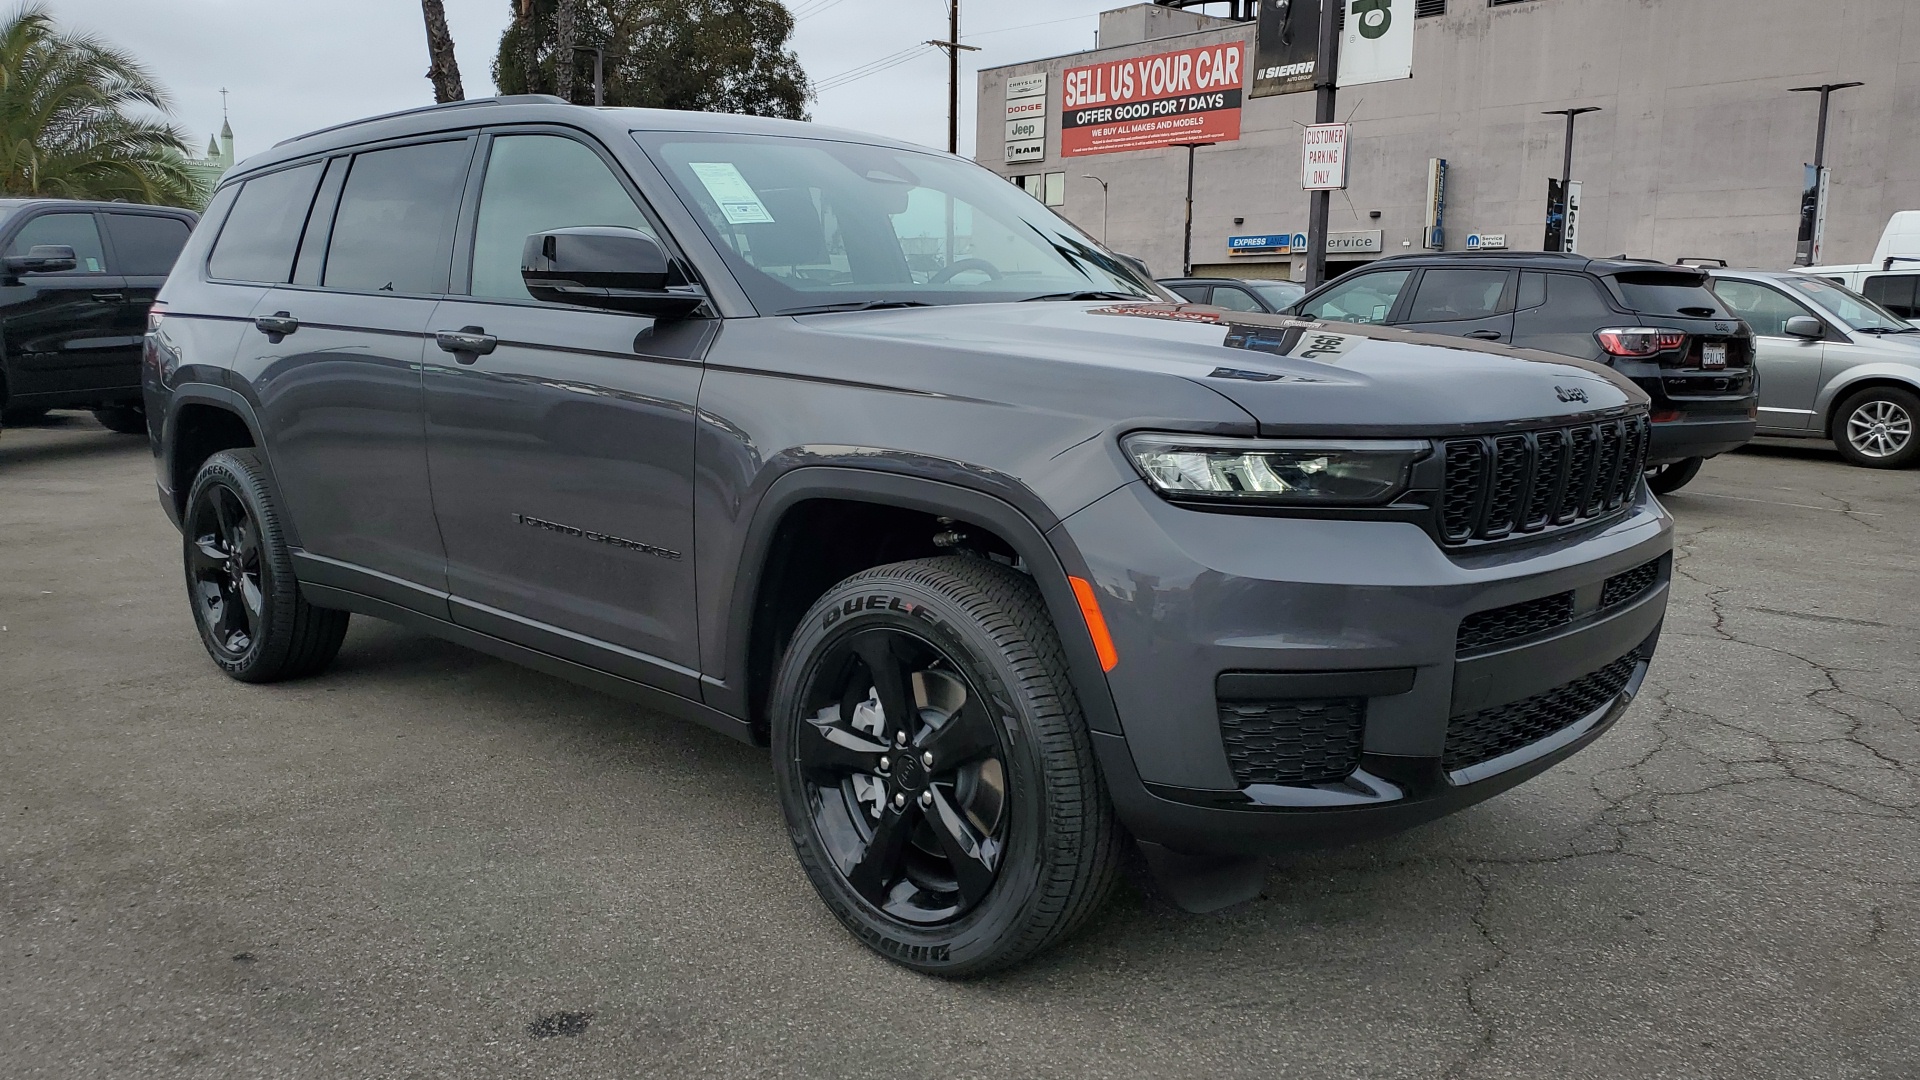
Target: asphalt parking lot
x=432 y=863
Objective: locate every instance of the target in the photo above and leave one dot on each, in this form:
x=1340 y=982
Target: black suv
x=75 y=283
x=850 y=448
x=1659 y=325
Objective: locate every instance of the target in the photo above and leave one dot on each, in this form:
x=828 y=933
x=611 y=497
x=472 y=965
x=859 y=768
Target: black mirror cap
x=1805 y=326
x=605 y=266
x=43 y=259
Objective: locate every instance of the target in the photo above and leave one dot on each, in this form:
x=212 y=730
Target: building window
x=1502 y=3
x=1424 y=9
x=1049 y=188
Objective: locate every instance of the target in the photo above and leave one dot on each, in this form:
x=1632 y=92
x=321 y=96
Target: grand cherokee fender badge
x=1570 y=393
x=596 y=537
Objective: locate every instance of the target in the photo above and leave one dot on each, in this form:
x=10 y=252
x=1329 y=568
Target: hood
x=1294 y=376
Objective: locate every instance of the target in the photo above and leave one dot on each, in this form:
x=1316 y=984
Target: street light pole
x=1819 y=151
x=599 y=60
x=1103 y=203
x=1325 y=73
x=1186 y=248
x=1566 y=164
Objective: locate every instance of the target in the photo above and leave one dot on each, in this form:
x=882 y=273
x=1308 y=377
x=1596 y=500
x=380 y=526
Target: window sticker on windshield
x=93 y=265
x=738 y=201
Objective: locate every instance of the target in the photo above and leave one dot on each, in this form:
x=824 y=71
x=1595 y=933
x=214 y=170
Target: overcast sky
x=296 y=65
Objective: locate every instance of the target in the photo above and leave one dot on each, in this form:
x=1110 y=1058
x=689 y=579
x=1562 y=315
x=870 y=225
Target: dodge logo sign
x=1570 y=393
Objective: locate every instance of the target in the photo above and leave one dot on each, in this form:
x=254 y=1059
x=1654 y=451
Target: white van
x=1892 y=279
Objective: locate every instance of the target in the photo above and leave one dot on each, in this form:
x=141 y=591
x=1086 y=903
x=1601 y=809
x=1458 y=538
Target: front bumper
x=1368 y=612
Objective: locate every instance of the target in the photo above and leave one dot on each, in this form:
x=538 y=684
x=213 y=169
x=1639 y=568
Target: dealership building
x=1697 y=150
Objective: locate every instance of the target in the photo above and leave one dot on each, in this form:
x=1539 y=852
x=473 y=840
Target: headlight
x=1284 y=472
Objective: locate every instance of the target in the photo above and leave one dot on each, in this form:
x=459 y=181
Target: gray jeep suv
x=850 y=448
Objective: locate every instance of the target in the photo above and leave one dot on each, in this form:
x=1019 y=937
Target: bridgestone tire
x=1062 y=848
x=295 y=638
x=124 y=419
x=1894 y=401
x=1671 y=477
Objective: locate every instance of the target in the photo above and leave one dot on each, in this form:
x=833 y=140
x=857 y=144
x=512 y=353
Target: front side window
x=1856 y=311
x=1226 y=296
x=76 y=231
x=393 y=232
x=1367 y=298
x=1453 y=295
x=145 y=245
x=1279 y=294
x=535 y=183
x=811 y=224
x=262 y=233
x=1766 y=310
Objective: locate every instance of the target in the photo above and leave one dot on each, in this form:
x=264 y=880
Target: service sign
x=1148 y=102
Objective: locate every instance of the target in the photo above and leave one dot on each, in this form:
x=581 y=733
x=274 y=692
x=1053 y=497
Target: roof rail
x=509 y=99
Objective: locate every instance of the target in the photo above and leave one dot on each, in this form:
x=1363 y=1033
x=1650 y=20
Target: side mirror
x=43 y=259
x=605 y=266
x=1806 y=326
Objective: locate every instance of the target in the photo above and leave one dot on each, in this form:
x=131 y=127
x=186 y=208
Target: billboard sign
x=1377 y=44
x=1323 y=157
x=1149 y=102
x=1286 y=47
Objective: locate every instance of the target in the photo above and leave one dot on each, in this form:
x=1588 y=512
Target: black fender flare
x=181 y=395
x=1050 y=562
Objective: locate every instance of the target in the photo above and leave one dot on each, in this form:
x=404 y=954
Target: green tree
x=76 y=120
x=701 y=55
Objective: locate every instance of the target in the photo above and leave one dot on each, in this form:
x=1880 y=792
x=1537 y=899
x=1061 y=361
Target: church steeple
x=226 y=133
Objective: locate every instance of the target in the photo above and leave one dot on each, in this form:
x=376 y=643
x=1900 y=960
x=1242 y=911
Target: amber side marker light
x=1096 y=622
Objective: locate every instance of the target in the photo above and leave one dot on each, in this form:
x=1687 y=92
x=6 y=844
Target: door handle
x=1484 y=335
x=467 y=344
x=110 y=297
x=276 y=326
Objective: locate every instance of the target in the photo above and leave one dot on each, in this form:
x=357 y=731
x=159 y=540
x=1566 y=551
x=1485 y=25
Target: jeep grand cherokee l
x=847 y=447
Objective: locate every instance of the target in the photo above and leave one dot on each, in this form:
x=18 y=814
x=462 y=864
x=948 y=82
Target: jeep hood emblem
x=1570 y=393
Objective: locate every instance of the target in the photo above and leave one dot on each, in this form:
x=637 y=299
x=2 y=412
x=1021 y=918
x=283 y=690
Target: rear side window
x=1566 y=298
x=145 y=245
x=1452 y=295
x=1233 y=299
x=1195 y=293
x=259 y=239
x=394 y=229
x=1895 y=292
x=1665 y=292
x=76 y=231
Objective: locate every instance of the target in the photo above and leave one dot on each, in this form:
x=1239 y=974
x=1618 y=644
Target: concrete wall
x=1698 y=151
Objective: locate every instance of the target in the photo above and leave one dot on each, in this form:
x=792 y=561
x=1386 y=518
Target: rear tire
x=1876 y=428
x=1674 y=475
x=125 y=419
x=1005 y=842
x=246 y=602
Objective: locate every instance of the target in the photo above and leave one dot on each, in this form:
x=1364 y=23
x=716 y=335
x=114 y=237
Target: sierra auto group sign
x=1147 y=102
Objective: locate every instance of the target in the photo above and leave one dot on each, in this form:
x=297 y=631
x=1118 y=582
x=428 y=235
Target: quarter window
x=1454 y=295
x=261 y=235
x=76 y=231
x=145 y=245
x=536 y=183
x=394 y=230
x=1367 y=298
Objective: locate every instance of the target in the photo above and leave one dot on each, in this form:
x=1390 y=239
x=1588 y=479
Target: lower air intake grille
x=1621 y=588
x=1482 y=736
x=1293 y=742
x=1515 y=621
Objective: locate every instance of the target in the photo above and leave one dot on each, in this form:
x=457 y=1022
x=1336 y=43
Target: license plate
x=1713 y=356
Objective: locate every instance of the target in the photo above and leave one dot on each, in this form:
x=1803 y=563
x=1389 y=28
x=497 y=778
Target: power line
x=885 y=63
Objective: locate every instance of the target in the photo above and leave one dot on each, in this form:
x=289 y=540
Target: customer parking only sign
x=1144 y=103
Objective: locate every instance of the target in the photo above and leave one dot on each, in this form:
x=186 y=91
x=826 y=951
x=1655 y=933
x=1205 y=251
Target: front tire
x=1875 y=428
x=1674 y=475
x=246 y=602
x=935 y=771
x=124 y=419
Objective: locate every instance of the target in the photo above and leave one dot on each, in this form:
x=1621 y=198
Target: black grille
x=1505 y=485
x=1489 y=733
x=1515 y=621
x=1621 y=588
x=1293 y=742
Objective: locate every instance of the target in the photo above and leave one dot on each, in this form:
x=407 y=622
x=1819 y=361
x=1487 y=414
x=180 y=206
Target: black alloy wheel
x=905 y=775
x=223 y=572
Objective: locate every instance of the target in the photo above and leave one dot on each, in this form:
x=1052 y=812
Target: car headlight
x=1283 y=472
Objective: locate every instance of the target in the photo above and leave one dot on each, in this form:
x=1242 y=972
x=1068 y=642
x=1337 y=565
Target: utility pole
x=1819 y=154
x=1326 y=69
x=1103 y=204
x=1186 y=247
x=1566 y=166
x=954 y=49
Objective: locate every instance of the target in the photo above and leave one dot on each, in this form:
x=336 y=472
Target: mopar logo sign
x=1486 y=241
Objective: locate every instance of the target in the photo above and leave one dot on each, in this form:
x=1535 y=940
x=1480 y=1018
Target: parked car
x=1892 y=278
x=1833 y=364
x=1238 y=294
x=76 y=279
x=1658 y=325
x=1006 y=563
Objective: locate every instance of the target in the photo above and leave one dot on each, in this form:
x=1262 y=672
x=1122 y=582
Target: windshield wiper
x=1092 y=295
x=853 y=305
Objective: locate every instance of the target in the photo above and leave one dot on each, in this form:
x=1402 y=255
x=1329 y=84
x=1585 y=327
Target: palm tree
x=76 y=120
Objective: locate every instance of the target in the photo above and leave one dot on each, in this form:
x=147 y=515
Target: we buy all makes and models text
x=1191 y=96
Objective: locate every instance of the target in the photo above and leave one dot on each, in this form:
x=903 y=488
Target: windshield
x=1278 y=293
x=812 y=224
x=1856 y=311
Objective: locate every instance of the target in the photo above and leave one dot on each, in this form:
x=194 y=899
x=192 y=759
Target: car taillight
x=154 y=314
x=1639 y=340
